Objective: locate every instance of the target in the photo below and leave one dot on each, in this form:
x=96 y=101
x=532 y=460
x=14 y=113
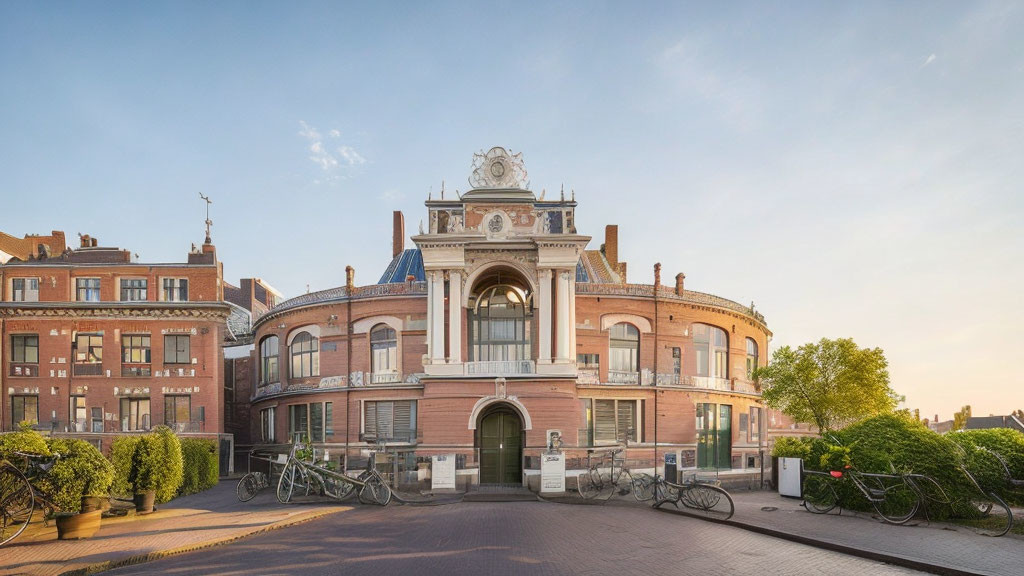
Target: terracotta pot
x=77 y=526
x=144 y=502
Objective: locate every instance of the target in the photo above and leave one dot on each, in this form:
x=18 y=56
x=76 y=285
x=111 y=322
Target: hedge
x=202 y=466
x=121 y=452
x=980 y=448
x=148 y=462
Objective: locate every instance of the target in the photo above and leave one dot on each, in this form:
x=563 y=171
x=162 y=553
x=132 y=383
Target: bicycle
x=594 y=480
x=369 y=485
x=252 y=482
x=19 y=496
x=896 y=498
x=695 y=493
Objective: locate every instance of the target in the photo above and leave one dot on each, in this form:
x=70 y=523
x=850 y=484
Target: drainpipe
x=349 y=285
x=657 y=284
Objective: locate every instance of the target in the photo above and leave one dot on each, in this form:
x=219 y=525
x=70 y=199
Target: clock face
x=497 y=169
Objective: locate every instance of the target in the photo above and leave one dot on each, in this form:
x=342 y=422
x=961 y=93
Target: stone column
x=572 y=316
x=562 y=309
x=544 y=317
x=455 y=317
x=430 y=316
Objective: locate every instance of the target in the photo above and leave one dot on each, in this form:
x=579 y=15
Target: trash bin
x=671 y=468
x=790 y=477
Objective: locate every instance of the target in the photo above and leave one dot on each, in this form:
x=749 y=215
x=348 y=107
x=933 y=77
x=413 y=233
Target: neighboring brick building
x=94 y=344
x=500 y=327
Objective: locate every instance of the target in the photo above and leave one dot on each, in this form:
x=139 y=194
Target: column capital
x=545 y=273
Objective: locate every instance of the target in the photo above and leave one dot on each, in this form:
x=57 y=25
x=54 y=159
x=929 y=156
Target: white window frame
x=98 y=288
x=268 y=425
x=120 y=289
x=25 y=292
x=175 y=289
x=639 y=431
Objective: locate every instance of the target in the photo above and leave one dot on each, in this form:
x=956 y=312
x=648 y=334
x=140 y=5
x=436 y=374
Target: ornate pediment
x=498 y=169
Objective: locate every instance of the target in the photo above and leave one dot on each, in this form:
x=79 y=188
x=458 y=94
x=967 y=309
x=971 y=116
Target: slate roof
x=408 y=263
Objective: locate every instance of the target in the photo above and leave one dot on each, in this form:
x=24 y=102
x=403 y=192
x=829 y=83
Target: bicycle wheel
x=713 y=501
x=665 y=493
x=643 y=487
x=16 y=503
x=247 y=487
x=375 y=491
x=286 y=484
x=898 y=502
x=586 y=485
x=819 y=496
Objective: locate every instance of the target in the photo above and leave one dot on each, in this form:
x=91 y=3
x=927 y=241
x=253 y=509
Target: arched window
x=711 y=344
x=624 y=353
x=499 y=324
x=269 y=351
x=383 y=350
x=751 y=357
x=305 y=350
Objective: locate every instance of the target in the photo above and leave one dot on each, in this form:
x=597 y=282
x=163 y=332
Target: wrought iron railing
x=623 y=377
x=404 y=435
x=136 y=370
x=588 y=376
x=24 y=370
x=95 y=369
x=384 y=378
x=501 y=367
x=707 y=382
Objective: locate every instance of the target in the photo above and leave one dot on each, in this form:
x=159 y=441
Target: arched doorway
x=500 y=439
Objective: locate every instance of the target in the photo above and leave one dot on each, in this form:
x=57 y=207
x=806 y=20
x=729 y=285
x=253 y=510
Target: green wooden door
x=501 y=449
x=706 y=437
x=724 y=447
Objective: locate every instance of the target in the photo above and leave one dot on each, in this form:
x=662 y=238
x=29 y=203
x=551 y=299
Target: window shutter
x=385 y=419
x=403 y=419
x=627 y=417
x=604 y=420
x=370 y=419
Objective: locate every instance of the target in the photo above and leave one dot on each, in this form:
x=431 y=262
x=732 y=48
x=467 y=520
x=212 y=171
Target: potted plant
x=80 y=474
x=145 y=473
x=148 y=467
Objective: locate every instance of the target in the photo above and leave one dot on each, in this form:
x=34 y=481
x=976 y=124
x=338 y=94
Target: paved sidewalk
x=936 y=547
x=187 y=523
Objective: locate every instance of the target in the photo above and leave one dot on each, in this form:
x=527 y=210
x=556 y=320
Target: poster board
x=442 y=472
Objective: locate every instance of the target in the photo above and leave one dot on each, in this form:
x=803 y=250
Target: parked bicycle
x=255 y=480
x=896 y=497
x=704 y=495
x=606 y=468
x=311 y=477
x=19 y=495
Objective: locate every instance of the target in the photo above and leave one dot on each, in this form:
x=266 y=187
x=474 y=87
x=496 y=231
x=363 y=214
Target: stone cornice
x=212 y=311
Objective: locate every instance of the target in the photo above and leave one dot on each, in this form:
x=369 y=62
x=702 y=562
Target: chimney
x=657 y=276
x=84 y=240
x=679 y=283
x=350 y=279
x=94 y=242
x=398 y=234
x=611 y=245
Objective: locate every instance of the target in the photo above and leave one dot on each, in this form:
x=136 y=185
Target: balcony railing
x=588 y=376
x=708 y=382
x=25 y=370
x=501 y=367
x=193 y=426
x=623 y=377
x=95 y=369
x=404 y=435
x=135 y=370
x=385 y=378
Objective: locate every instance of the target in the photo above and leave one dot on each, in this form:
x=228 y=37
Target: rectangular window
x=176 y=349
x=267 y=425
x=316 y=422
x=87 y=289
x=78 y=415
x=393 y=420
x=134 y=289
x=24 y=409
x=88 y=355
x=588 y=360
x=586 y=434
x=136 y=355
x=298 y=422
x=175 y=290
x=134 y=414
x=754 y=430
x=24 y=350
x=97 y=419
x=614 y=421
x=677 y=359
x=25 y=290
x=178 y=412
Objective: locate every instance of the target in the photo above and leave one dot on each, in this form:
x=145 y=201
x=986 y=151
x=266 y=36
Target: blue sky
x=853 y=169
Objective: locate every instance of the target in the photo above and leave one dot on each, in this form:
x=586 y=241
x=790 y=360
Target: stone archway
x=500 y=437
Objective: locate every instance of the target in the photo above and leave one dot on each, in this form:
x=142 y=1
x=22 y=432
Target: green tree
x=960 y=418
x=828 y=383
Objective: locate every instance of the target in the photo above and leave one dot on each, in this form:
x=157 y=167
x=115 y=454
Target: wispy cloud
x=326 y=155
x=929 y=60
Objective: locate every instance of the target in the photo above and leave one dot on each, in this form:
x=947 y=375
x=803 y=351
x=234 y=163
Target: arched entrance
x=500 y=439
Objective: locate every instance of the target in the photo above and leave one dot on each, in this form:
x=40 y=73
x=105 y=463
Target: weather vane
x=208 y=221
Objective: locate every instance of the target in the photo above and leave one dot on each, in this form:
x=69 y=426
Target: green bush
x=25 y=440
x=149 y=462
x=121 y=454
x=979 y=446
x=81 y=471
x=791 y=447
x=202 y=466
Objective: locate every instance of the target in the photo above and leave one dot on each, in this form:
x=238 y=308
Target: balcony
x=194 y=426
x=588 y=376
x=135 y=370
x=402 y=436
x=500 y=368
x=623 y=377
x=708 y=382
x=378 y=378
x=25 y=370
x=93 y=369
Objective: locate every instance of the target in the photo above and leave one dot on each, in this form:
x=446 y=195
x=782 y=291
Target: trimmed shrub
x=25 y=440
x=172 y=470
x=121 y=453
x=810 y=449
x=979 y=446
x=202 y=466
x=81 y=471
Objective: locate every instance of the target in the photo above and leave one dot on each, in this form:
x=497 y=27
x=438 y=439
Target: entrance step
x=499 y=493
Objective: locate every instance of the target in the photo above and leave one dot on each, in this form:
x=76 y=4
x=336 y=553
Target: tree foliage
x=960 y=418
x=829 y=383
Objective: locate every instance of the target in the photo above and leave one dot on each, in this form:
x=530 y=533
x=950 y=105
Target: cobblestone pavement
x=512 y=538
x=188 y=522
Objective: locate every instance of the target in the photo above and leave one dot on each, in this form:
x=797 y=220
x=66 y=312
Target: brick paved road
x=512 y=538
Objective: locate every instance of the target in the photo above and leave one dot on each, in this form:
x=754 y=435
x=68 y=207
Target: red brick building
x=500 y=327
x=94 y=344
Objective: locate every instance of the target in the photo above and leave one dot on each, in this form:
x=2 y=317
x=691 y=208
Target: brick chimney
x=398 y=234
x=657 y=275
x=350 y=278
x=611 y=245
x=679 y=283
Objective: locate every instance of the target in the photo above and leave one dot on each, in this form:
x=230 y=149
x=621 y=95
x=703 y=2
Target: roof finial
x=442 y=189
x=208 y=221
x=573 y=194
